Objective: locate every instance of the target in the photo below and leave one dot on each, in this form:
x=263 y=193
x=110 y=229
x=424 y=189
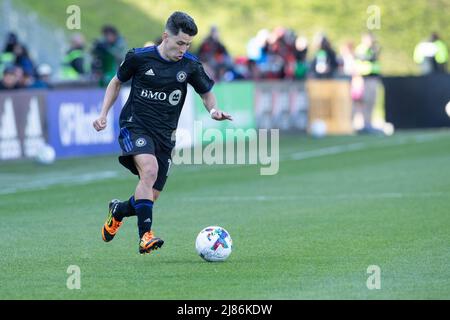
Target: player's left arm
x=203 y=84
x=210 y=103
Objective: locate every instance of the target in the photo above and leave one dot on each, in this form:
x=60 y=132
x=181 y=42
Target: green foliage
x=403 y=23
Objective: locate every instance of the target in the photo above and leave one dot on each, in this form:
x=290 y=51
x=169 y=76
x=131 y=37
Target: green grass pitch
x=337 y=206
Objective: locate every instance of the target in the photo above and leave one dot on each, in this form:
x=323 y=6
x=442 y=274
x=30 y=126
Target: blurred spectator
x=256 y=46
x=280 y=50
x=7 y=57
x=26 y=80
x=348 y=69
x=366 y=54
x=11 y=41
x=257 y=54
x=347 y=59
x=241 y=68
x=20 y=73
x=42 y=81
x=273 y=55
x=9 y=80
x=74 y=62
x=214 y=54
x=431 y=55
x=288 y=54
x=23 y=59
x=324 y=63
x=367 y=68
x=233 y=71
x=108 y=52
x=301 y=53
x=254 y=72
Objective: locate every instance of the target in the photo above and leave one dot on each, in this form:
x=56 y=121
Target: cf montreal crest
x=181 y=76
x=141 y=142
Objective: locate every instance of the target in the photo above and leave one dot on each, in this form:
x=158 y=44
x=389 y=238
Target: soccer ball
x=214 y=244
x=318 y=128
x=46 y=155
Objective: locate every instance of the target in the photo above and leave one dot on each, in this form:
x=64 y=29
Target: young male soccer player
x=159 y=75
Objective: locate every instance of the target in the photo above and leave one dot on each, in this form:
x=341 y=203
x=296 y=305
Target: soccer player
x=148 y=120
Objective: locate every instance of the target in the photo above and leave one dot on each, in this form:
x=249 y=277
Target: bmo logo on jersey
x=174 y=97
x=161 y=96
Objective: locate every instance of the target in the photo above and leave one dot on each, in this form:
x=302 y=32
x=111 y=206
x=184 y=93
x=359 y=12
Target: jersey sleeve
x=128 y=67
x=200 y=80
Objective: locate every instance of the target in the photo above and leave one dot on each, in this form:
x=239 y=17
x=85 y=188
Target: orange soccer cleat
x=111 y=225
x=149 y=242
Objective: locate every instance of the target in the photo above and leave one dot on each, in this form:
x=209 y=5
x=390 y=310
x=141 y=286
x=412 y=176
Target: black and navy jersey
x=158 y=90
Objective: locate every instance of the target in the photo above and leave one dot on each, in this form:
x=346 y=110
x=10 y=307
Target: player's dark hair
x=181 y=21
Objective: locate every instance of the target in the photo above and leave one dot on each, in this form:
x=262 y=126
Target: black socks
x=142 y=208
x=125 y=209
x=144 y=212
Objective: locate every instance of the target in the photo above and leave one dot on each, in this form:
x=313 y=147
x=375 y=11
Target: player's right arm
x=112 y=91
x=126 y=71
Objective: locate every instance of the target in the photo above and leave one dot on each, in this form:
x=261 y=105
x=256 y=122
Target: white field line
x=354 y=196
x=329 y=151
x=40 y=183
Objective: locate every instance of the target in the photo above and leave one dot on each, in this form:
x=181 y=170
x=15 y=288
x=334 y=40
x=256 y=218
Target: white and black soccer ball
x=214 y=244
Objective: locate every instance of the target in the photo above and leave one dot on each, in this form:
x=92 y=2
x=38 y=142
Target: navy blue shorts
x=135 y=142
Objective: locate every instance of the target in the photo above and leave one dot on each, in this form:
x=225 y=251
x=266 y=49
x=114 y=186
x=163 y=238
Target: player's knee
x=148 y=176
